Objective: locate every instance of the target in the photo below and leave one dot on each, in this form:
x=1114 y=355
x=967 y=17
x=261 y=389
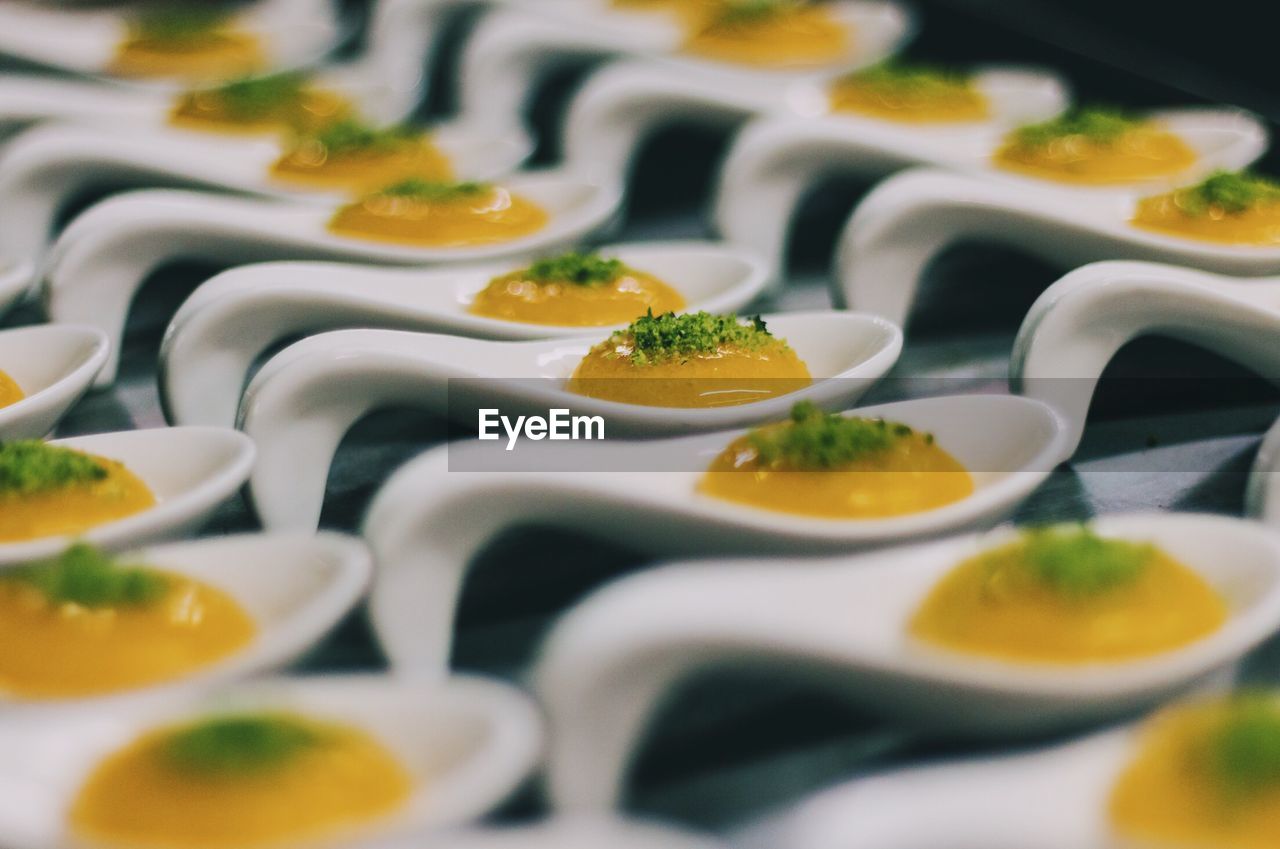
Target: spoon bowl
x=53 y=365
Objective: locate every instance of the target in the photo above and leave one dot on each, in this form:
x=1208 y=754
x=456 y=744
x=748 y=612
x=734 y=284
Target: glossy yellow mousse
x=352 y=156
x=1064 y=595
x=1095 y=147
x=47 y=490
x=82 y=625
x=270 y=104
x=440 y=215
x=768 y=33
x=910 y=94
x=243 y=780
x=1205 y=775
x=837 y=467
x=575 y=290
x=10 y=391
x=192 y=41
x=1231 y=208
x=690 y=360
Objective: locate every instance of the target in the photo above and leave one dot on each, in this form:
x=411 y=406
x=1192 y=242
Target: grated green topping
x=1099 y=125
x=1075 y=562
x=584 y=269
x=260 y=97
x=1233 y=192
x=90 y=577
x=1243 y=752
x=652 y=339
x=732 y=13
x=179 y=24
x=237 y=745
x=30 y=466
x=899 y=78
x=814 y=440
x=433 y=191
x=352 y=136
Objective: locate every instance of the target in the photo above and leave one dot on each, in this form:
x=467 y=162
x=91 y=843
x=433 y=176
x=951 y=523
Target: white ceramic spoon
x=910 y=218
x=576 y=832
x=15 y=283
x=774 y=162
x=53 y=365
x=1080 y=322
x=295 y=587
x=844 y=623
x=105 y=254
x=191 y=471
x=232 y=319
x=84 y=41
x=436 y=512
x=306 y=398
x=467 y=743
x=1262 y=498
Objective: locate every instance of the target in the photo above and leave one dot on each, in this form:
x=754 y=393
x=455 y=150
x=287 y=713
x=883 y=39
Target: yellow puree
x=310 y=164
x=76 y=508
x=1166 y=797
x=10 y=391
x=1143 y=153
x=220 y=54
x=955 y=103
x=135 y=798
x=911 y=476
x=992 y=605
x=63 y=650
x=515 y=297
x=1259 y=225
x=208 y=111
x=729 y=376
x=796 y=36
x=494 y=216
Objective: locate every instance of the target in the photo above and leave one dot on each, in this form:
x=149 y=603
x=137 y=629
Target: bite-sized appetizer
x=1063 y=594
x=917 y=94
x=576 y=289
x=690 y=360
x=351 y=155
x=839 y=467
x=10 y=391
x=767 y=33
x=83 y=623
x=266 y=104
x=1236 y=208
x=440 y=214
x=191 y=40
x=48 y=490
x=1095 y=146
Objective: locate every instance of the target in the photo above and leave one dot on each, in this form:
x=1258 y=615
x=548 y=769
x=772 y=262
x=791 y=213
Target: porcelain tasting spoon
x=306 y=398
x=844 y=623
x=53 y=365
x=910 y=218
x=295 y=587
x=190 y=470
x=466 y=743
x=1082 y=321
x=1262 y=498
x=775 y=161
x=430 y=519
x=569 y=832
x=232 y=319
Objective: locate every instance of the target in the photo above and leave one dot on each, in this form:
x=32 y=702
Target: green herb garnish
x=179 y=24
x=30 y=466
x=90 y=577
x=1075 y=562
x=433 y=191
x=732 y=13
x=1243 y=752
x=651 y=338
x=260 y=97
x=894 y=77
x=352 y=136
x=1232 y=192
x=239 y=745
x=1098 y=125
x=584 y=269
x=816 y=440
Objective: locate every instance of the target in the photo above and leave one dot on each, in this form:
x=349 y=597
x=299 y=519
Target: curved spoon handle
x=27 y=98
x=1262 y=498
x=102 y=258
x=1076 y=327
x=305 y=399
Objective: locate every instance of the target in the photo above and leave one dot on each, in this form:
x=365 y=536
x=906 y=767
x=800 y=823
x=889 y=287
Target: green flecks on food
x=732 y=13
x=180 y=23
x=815 y=440
x=1099 y=125
x=30 y=466
x=89 y=577
x=1075 y=562
x=584 y=269
x=1231 y=192
x=260 y=97
x=349 y=136
x=238 y=745
x=652 y=339
x=433 y=191
x=900 y=79
x=1243 y=751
